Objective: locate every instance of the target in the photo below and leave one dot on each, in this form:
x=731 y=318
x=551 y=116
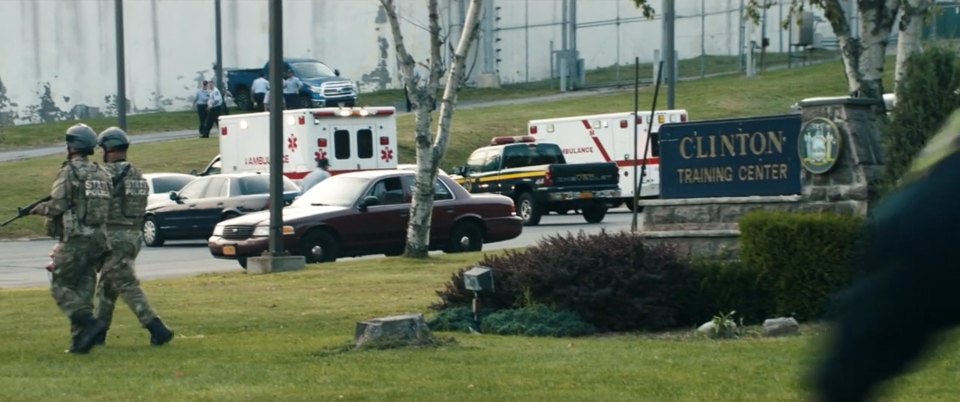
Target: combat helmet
x=82 y=138
x=113 y=138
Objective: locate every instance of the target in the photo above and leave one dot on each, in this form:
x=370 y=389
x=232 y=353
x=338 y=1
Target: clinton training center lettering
x=732 y=157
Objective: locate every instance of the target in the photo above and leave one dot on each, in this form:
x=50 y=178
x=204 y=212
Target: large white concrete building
x=58 y=57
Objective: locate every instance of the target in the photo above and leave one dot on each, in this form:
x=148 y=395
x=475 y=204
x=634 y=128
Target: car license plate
x=586 y=194
x=229 y=250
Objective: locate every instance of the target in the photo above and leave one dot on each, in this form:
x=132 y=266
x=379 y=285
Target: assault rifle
x=24 y=211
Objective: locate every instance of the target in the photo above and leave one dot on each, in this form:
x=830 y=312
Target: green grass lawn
x=285 y=337
x=718 y=97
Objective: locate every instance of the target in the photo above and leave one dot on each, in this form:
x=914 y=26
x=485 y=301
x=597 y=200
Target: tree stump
x=393 y=331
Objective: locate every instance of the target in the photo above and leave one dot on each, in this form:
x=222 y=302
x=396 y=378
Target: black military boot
x=102 y=338
x=90 y=329
x=159 y=333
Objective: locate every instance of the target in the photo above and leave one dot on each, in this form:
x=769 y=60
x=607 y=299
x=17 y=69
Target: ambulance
x=610 y=138
x=350 y=138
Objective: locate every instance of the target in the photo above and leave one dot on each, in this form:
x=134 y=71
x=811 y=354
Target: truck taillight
x=302 y=120
x=683 y=117
x=384 y=140
x=223 y=130
x=623 y=124
x=533 y=129
x=639 y=119
x=548 y=178
x=321 y=142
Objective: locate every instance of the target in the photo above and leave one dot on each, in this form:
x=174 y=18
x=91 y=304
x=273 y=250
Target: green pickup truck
x=538 y=179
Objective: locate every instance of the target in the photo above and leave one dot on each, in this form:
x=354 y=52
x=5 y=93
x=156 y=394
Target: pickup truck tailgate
x=601 y=175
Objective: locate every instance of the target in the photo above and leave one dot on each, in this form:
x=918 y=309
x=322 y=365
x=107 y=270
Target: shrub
x=804 y=258
x=612 y=281
x=726 y=286
x=536 y=320
x=925 y=98
x=459 y=319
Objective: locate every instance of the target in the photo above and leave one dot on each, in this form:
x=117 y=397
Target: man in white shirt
x=321 y=173
x=214 y=109
x=291 y=91
x=259 y=89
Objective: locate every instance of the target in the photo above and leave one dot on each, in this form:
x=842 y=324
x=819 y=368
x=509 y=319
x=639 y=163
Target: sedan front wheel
x=320 y=246
x=151 y=232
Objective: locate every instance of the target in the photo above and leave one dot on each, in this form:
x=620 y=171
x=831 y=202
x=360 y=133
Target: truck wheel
x=465 y=237
x=151 y=233
x=595 y=213
x=305 y=102
x=243 y=100
x=528 y=209
x=320 y=246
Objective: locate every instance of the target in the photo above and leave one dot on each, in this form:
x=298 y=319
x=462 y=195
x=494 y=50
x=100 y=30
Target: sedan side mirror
x=336 y=72
x=368 y=201
x=175 y=197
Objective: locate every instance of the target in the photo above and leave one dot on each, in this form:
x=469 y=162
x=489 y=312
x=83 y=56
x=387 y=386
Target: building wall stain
x=379 y=78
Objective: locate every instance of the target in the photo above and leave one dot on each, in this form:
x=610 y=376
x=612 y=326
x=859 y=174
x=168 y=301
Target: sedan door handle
x=220 y=204
x=404 y=215
x=449 y=210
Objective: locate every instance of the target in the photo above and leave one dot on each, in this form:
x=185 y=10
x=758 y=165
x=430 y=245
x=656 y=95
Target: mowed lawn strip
x=286 y=337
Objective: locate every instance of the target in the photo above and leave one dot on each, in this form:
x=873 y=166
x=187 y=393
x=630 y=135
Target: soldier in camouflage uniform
x=76 y=216
x=892 y=316
x=117 y=277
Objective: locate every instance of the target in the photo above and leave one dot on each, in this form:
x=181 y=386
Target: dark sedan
x=367 y=212
x=192 y=212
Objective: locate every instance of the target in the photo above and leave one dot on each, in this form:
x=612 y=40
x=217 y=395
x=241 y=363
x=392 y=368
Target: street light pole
x=219 y=68
x=671 y=55
x=121 y=74
x=276 y=128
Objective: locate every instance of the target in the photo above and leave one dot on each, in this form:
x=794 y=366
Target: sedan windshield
x=337 y=191
x=312 y=70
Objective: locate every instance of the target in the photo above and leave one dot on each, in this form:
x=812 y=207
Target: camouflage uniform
x=127 y=206
x=76 y=216
x=117 y=277
x=909 y=253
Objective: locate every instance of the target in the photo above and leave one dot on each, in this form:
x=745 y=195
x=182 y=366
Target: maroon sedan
x=367 y=212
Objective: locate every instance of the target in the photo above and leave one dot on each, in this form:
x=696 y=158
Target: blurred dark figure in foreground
x=911 y=259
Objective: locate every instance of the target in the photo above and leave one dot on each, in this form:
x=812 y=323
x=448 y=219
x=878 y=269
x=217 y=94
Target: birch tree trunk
x=430 y=152
x=908 y=41
x=862 y=57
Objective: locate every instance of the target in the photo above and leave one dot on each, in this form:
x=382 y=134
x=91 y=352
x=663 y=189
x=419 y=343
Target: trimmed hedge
x=803 y=258
x=724 y=286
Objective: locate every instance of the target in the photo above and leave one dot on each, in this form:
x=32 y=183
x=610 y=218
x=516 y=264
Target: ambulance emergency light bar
x=512 y=139
x=353 y=112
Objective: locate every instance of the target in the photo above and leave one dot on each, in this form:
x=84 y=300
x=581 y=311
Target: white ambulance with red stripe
x=610 y=138
x=350 y=138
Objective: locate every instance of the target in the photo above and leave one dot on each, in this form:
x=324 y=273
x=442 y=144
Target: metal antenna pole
x=646 y=145
x=121 y=73
x=636 y=114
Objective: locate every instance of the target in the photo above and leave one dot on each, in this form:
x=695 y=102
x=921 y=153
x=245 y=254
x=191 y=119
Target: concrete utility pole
x=219 y=70
x=669 y=15
x=121 y=73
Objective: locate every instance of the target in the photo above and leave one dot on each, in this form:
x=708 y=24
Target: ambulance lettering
x=578 y=150
x=262 y=160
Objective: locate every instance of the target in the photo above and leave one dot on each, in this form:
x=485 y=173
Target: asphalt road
x=24 y=261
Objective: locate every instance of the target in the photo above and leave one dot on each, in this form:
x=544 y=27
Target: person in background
x=214 y=109
x=201 y=100
x=291 y=91
x=909 y=255
x=124 y=223
x=259 y=89
x=321 y=173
